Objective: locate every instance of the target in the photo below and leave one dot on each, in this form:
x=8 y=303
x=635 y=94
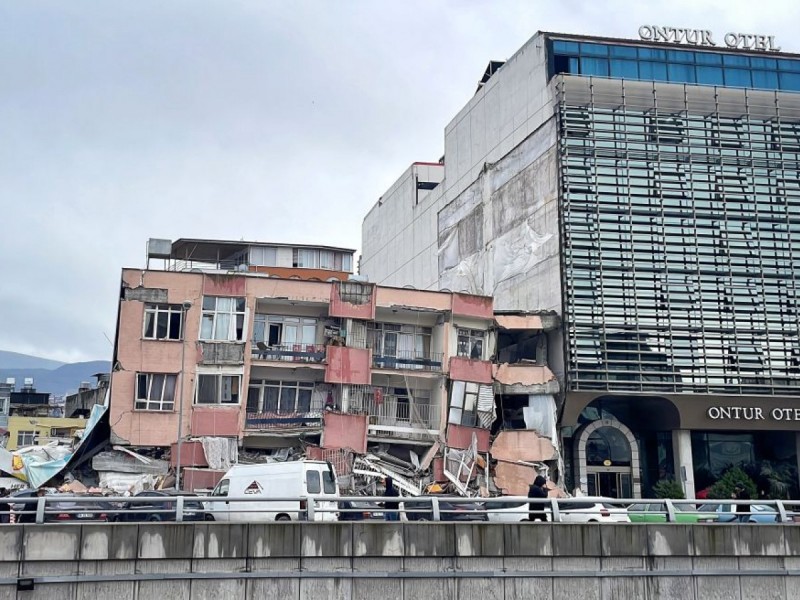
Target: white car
x=585 y=509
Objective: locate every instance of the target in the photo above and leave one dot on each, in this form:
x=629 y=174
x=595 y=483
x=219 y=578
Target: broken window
x=163 y=322
x=281 y=397
x=223 y=319
x=470 y=343
x=521 y=346
x=26 y=438
x=471 y=404
x=217 y=389
x=155 y=391
x=355 y=292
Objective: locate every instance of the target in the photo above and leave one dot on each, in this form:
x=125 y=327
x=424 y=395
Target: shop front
x=622 y=446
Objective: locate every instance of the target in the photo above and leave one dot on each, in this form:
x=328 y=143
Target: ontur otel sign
x=704 y=37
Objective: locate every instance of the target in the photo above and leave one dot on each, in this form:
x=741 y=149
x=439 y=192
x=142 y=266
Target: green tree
x=668 y=488
x=725 y=485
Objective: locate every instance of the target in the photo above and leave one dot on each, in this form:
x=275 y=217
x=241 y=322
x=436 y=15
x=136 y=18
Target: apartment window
x=284 y=331
x=306 y=258
x=470 y=343
x=464 y=403
x=155 y=391
x=281 y=397
x=223 y=319
x=264 y=257
x=26 y=438
x=400 y=341
x=163 y=322
x=218 y=389
x=326 y=260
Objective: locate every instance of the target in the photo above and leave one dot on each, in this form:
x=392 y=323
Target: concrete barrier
x=413 y=561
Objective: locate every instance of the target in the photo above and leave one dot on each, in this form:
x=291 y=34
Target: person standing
x=742 y=510
x=390 y=508
x=538 y=491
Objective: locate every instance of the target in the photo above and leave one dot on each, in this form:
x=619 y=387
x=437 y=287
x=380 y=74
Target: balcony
x=409 y=359
x=275 y=417
x=308 y=353
x=398 y=416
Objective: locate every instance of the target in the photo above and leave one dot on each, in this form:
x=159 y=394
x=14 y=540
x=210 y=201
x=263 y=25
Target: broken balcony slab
x=345 y=431
x=460 y=437
x=522 y=373
x=522 y=445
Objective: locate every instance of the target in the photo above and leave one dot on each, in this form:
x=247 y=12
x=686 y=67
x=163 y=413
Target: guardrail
x=90 y=508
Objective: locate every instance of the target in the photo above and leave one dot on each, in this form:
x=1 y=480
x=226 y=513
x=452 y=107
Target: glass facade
x=681 y=241
x=676 y=66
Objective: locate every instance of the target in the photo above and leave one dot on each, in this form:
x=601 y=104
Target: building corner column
x=684 y=464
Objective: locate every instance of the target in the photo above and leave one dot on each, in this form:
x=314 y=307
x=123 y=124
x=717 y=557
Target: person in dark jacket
x=537 y=490
x=742 y=510
x=5 y=508
x=390 y=513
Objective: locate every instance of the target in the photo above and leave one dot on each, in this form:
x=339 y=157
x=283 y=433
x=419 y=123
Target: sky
x=280 y=121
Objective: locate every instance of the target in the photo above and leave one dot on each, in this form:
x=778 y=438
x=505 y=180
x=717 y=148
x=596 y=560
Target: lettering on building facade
x=752 y=413
x=704 y=37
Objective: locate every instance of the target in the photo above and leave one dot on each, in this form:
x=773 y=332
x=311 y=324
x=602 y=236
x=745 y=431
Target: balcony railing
x=397 y=411
x=277 y=417
x=314 y=353
x=409 y=359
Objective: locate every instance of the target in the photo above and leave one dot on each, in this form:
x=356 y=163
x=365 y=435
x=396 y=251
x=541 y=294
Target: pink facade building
x=294 y=360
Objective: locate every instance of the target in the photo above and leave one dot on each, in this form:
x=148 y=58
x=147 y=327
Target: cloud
x=273 y=121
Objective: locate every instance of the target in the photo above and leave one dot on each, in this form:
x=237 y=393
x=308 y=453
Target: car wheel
x=593 y=521
x=283 y=518
x=153 y=518
x=208 y=518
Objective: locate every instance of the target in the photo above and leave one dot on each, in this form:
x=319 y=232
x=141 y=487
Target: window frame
x=234 y=333
x=282 y=385
x=160 y=404
x=470 y=337
x=21 y=437
x=218 y=388
x=171 y=310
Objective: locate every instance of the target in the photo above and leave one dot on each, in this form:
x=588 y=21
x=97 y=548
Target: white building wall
x=398 y=236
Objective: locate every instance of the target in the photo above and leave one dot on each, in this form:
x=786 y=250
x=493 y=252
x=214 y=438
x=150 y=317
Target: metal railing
x=408 y=360
x=298 y=416
x=397 y=411
x=314 y=353
x=58 y=508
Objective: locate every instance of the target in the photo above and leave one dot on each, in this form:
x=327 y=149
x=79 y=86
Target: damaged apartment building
x=248 y=352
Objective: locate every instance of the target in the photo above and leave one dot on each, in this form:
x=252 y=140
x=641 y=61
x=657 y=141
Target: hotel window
x=163 y=322
x=223 y=319
x=155 y=391
x=218 y=388
x=470 y=343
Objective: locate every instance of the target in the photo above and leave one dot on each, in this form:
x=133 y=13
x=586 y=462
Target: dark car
x=422 y=510
x=57 y=510
x=357 y=510
x=161 y=506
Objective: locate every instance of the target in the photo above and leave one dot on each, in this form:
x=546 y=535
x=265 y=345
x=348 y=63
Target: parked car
x=656 y=512
x=160 y=507
x=57 y=510
x=422 y=510
x=585 y=509
x=726 y=513
x=357 y=510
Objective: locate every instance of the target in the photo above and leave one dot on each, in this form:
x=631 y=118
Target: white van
x=269 y=482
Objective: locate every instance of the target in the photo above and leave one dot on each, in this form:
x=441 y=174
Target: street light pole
x=184 y=310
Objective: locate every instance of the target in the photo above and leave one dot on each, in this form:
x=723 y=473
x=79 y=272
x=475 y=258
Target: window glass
x=763 y=63
x=594 y=66
x=312 y=482
x=653 y=70
x=680 y=56
x=623 y=51
x=735 y=60
x=563 y=47
x=594 y=50
x=627 y=69
x=707 y=58
x=788 y=65
x=790 y=81
x=737 y=77
x=329 y=485
x=765 y=79
x=709 y=75
x=652 y=54
x=681 y=73
x=222 y=488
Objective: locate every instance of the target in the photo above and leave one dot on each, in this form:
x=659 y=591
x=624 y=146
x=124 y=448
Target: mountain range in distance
x=50 y=376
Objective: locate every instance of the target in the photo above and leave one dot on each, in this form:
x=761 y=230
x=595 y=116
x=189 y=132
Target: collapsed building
x=247 y=352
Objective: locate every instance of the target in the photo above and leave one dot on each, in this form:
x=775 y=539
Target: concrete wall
x=387 y=560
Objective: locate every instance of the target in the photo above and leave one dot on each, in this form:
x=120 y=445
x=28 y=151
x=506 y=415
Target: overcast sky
x=262 y=120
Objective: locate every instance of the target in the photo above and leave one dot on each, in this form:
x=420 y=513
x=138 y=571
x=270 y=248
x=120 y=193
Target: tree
x=668 y=488
x=724 y=487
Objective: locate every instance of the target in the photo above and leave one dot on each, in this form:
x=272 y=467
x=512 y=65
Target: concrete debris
x=121 y=460
x=522 y=445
